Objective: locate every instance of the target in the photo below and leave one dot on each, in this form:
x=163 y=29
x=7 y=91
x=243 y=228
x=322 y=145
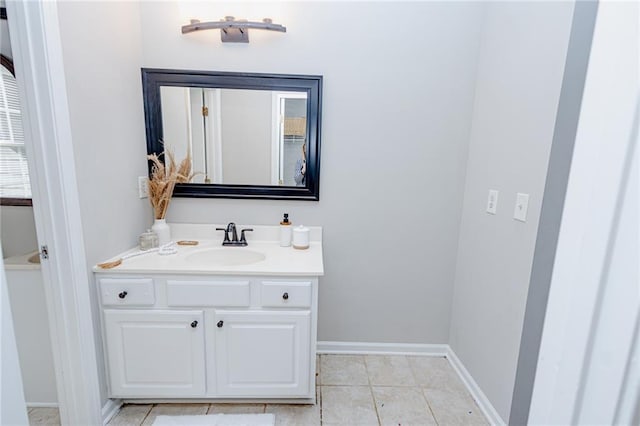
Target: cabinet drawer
x=286 y=294
x=127 y=291
x=208 y=293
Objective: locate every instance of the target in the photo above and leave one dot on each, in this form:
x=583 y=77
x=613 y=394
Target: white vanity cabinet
x=155 y=353
x=209 y=336
x=262 y=353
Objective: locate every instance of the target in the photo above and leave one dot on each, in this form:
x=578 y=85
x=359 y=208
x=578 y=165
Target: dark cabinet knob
x=194 y=324
x=122 y=294
x=220 y=324
x=285 y=296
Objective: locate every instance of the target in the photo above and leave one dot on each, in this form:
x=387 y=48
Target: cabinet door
x=262 y=353
x=155 y=353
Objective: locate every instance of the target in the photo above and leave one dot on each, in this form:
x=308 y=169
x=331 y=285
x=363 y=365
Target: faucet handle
x=242 y=238
x=226 y=233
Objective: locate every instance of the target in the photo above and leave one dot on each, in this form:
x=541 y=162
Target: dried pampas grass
x=164 y=177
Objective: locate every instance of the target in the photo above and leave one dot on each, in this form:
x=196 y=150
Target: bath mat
x=217 y=420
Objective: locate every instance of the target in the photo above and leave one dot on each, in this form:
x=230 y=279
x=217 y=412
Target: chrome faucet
x=233 y=241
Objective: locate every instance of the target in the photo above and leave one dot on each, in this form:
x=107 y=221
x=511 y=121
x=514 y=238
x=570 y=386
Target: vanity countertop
x=262 y=244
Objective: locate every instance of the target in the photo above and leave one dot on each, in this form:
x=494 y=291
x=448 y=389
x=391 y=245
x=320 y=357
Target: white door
x=155 y=353
x=262 y=353
x=12 y=404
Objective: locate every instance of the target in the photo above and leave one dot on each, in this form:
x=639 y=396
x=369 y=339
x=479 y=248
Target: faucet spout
x=231 y=236
x=231 y=228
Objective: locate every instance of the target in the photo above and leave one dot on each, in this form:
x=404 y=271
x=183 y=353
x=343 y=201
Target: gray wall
x=520 y=71
x=396 y=115
x=18 y=230
x=105 y=101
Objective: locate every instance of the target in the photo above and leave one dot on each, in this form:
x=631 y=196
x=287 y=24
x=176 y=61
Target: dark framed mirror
x=249 y=135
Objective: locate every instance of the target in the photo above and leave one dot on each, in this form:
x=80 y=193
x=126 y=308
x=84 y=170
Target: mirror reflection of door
x=236 y=136
x=292 y=120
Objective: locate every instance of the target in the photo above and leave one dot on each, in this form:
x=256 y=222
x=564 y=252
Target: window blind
x=14 y=172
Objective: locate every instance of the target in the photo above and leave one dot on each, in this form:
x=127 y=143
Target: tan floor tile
x=389 y=370
x=454 y=407
x=402 y=406
x=435 y=373
x=131 y=415
x=343 y=370
x=348 y=405
x=236 y=409
x=44 y=416
x=295 y=414
x=175 y=410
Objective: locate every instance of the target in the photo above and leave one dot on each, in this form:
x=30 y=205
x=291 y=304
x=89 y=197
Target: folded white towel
x=217 y=420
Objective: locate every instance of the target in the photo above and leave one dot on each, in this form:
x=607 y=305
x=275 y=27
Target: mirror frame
x=153 y=79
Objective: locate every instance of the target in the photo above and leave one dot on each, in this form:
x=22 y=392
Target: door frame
x=277 y=132
x=38 y=54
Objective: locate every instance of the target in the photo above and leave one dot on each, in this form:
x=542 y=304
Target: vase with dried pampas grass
x=163 y=179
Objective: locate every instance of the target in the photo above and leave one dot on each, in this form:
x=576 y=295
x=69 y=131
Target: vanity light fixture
x=232 y=31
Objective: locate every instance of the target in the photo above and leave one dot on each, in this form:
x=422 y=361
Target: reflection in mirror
x=15 y=188
x=249 y=135
x=222 y=126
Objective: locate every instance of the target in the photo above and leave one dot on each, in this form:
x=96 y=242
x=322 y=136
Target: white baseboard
x=42 y=405
x=364 y=348
x=481 y=399
x=110 y=409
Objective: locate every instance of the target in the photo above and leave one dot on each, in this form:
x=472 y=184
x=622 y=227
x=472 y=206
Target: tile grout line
x=419 y=385
x=146 y=415
x=433 y=414
x=319 y=392
x=373 y=398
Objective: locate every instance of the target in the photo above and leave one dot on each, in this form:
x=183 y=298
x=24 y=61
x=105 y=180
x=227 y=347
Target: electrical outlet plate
x=492 y=202
x=143 y=187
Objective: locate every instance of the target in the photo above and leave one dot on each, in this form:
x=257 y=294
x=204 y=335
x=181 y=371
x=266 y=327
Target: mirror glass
x=237 y=136
x=249 y=135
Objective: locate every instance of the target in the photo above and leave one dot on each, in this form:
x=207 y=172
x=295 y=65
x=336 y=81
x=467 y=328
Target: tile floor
x=351 y=389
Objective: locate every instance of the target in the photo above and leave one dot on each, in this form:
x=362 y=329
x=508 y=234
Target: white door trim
x=41 y=80
x=587 y=337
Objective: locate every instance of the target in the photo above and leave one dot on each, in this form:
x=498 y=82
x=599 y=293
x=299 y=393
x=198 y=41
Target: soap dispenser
x=285 y=231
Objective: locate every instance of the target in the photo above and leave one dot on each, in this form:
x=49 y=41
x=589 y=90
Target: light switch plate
x=522 y=204
x=492 y=202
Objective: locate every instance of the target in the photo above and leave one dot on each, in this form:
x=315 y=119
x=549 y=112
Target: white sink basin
x=225 y=256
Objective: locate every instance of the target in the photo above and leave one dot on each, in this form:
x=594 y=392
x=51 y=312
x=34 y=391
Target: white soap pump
x=285 y=231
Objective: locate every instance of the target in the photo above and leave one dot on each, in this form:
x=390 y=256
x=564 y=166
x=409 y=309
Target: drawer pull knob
x=122 y=294
x=220 y=324
x=194 y=324
x=285 y=296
